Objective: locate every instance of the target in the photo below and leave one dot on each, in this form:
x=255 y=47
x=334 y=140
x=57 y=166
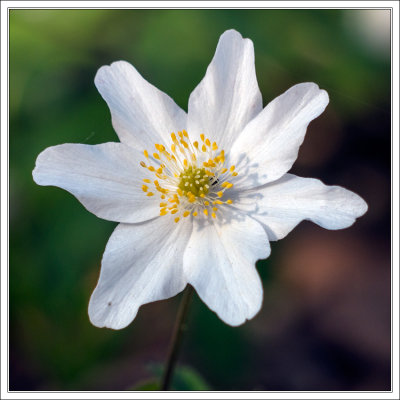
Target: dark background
x=325 y=321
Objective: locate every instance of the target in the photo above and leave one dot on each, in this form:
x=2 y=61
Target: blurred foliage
x=184 y=378
x=56 y=245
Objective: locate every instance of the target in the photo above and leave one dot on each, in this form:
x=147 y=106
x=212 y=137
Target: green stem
x=180 y=327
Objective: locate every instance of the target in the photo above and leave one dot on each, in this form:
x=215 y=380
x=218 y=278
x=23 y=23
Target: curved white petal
x=141 y=114
x=142 y=263
x=281 y=205
x=219 y=262
x=228 y=97
x=269 y=144
x=106 y=178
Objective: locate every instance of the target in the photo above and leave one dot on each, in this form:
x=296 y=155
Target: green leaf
x=186 y=378
x=149 y=385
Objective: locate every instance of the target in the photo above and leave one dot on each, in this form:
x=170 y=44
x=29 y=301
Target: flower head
x=198 y=196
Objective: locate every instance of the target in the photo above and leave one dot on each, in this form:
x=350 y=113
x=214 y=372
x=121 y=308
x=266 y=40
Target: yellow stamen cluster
x=191 y=177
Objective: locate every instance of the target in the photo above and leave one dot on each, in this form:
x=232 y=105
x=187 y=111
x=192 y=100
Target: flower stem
x=180 y=327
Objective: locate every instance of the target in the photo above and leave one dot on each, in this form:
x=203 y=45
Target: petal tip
x=102 y=315
x=362 y=207
x=101 y=74
x=232 y=33
x=37 y=172
x=234 y=36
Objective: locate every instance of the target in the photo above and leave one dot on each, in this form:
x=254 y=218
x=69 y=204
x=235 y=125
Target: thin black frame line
x=266 y=8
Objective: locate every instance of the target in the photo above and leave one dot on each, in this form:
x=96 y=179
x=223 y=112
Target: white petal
x=142 y=263
x=106 y=178
x=269 y=144
x=219 y=262
x=141 y=114
x=228 y=97
x=281 y=205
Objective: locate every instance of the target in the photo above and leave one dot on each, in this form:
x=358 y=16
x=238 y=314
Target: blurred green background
x=325 y=322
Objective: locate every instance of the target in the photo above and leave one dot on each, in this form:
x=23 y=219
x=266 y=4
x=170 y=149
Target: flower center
x=194 y=180
x=191 y=177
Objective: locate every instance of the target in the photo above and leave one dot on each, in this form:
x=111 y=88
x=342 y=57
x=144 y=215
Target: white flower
x=199 y=205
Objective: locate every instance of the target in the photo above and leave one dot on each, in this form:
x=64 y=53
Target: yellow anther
x=187 y=177
x=235 y=174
